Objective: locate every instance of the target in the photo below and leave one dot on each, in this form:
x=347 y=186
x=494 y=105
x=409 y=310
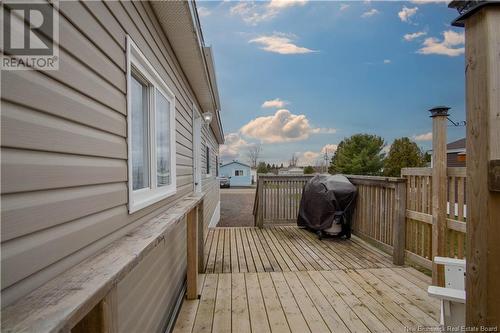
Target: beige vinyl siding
x=64 y=156
x=149 y=291
x=210 y=183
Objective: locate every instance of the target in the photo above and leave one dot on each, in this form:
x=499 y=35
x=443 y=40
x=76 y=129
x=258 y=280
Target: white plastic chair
x=452 y=296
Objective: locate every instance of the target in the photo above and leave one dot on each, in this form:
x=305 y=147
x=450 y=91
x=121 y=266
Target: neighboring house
x=291 y=171
x=239 y=174
x=71 y=182
x=253 y=172
x=456 y=154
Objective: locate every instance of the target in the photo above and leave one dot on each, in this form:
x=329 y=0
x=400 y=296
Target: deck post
x=192 y=254
x=102 y=318
x=259 y=216
x=482 y=71
x=399 y=227
x=201 y=237
x=439 y=190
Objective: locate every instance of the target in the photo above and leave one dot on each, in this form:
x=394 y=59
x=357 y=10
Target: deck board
x=284 y=279
x=284 y=249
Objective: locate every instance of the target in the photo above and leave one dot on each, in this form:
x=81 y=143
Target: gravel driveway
x=236 y=207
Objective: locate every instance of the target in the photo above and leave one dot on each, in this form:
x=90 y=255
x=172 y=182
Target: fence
x=277 y=199
x=380 y=213
x=419 y=214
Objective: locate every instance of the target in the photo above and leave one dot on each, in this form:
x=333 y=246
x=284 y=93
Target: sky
x=297 y=77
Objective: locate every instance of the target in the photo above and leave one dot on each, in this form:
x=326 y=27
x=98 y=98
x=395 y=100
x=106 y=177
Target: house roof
x=223 y=165
x=179 y=20
x=459 y=144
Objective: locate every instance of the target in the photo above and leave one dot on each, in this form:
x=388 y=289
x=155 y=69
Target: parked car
x=224 y=182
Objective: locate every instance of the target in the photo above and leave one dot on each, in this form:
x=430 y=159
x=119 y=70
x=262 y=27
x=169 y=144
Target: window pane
x=162 y=140
x=139 y=135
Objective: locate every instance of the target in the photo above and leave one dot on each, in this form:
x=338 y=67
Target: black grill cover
x=324 y=198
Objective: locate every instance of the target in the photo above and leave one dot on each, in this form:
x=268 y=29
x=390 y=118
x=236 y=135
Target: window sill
x=141 y=203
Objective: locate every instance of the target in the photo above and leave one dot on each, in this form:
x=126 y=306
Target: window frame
x=239 y=173
x=216 y=165
x=139 y=66
x=208 y=162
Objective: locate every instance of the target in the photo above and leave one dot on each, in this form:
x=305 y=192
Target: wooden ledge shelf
x=63 y=302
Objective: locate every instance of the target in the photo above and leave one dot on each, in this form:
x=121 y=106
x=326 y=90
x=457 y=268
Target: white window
x=151 y=133
x=238 y=172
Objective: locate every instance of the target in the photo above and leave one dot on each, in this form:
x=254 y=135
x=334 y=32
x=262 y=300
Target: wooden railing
x=378 y=218
x=85 y=297
x=277 y=199
x=419 y=214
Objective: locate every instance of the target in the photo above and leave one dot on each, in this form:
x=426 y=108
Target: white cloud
x=315 y=157
x=275 y=103
x=369 y=13
x=286 y=3
x=344 y=6
x=426 y=2
x=253 y=13
x=280 y=43
x=321 y=130
x=387 y=61
x=329 y=149
x=283 y=126
x=451 y=45
x=230 y=150
x=406 y=13
x=309 y=158
x=423 y=137
x=415 y=35
x=203 y=11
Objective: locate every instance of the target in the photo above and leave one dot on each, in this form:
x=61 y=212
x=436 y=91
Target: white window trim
x=142 y=198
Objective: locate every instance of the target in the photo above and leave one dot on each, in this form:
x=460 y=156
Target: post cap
x=468 y=8
x=439 y=111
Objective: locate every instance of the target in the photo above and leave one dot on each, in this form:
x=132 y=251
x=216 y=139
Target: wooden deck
x=283 y=279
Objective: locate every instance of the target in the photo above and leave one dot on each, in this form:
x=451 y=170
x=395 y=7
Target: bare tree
x=294 y=160
x=253 y=154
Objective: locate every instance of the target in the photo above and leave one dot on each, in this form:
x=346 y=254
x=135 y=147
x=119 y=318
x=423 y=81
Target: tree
x=262 y=168
x=361 y=154
x=404 y=153
x=308 y=170
x=427 y=157
x=253 y=154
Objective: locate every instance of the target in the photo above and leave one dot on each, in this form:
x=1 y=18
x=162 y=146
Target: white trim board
x=215 y=216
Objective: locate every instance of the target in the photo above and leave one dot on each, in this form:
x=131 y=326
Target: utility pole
x=325 y=157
